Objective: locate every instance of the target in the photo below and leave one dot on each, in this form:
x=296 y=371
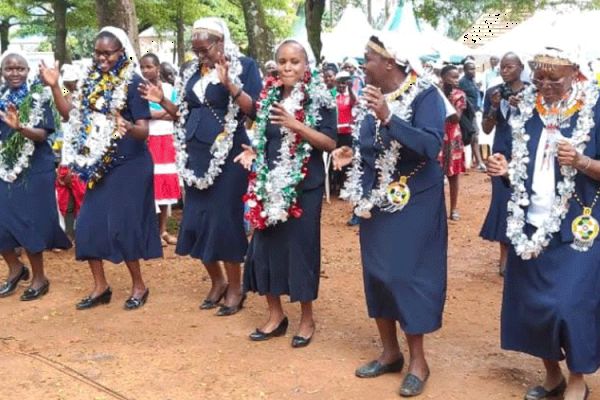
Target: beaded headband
x=384 y=53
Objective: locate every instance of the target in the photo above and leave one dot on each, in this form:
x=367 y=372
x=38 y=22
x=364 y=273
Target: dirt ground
x=171 y=350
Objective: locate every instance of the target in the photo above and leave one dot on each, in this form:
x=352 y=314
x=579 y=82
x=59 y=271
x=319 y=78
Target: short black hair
x=448 y=68
x=153 y=57
x=108 y=35
x=292 y=41
x=330 y=67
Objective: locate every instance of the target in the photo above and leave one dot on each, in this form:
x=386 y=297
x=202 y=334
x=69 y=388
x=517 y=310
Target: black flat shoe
x=8 y=287
x=539 y=392
x=375 y=368
x=33 y=294
x=90 y=302
x=209 y=304
x=134 y=303
x=299 y=341
x=281 y=329
x=225 y=311
x=412 y=385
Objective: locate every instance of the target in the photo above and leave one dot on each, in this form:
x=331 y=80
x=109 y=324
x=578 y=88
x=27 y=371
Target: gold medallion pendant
x=398 y=194
x=585 y=230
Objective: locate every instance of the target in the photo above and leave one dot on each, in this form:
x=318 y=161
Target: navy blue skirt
x=404 y=257
x=494 y=226
x=286 y=258
x=29 y=215
x=551 y=306
x=118 y=221
x=212 y=228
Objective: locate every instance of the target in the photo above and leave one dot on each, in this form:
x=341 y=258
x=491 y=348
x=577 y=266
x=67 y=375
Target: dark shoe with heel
x=299 y=341
x=259 y=336
x=90 y=302
x=375 y=368
x=9 y=287
x=412 y=385
x=209 y=304
x=225 y=311
x=539 y=392
x=34 y=294
x=133 y=303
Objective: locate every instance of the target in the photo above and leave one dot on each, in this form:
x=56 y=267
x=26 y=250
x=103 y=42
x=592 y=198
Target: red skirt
x=452 y=156
x=166 y=182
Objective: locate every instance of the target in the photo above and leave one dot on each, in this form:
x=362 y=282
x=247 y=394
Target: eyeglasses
x=107 y=53
x=204 y=52
x=552 y=83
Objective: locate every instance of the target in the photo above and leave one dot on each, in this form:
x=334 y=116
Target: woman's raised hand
x=376 y=102
x=246 y=157
x=280 y=116
x=497 y=165
x=151 y=92
x=222 y=67
x=11 y=117
x=342 y=156
x=49 y=75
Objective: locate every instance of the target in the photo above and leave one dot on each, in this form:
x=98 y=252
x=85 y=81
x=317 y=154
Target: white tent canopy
x=349 y=37
x=574 y=30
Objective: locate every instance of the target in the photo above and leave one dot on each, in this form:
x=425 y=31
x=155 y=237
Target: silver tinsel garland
x=387 y=160
x=35 y=117
x=524 y=246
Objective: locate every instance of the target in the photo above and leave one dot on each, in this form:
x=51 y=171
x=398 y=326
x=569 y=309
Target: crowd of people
x=249 y=147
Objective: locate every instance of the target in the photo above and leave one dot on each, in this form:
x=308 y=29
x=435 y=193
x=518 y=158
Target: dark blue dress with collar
x=212 y=228
x=494 y=226
x=286 y=258
x=404 y=254
x=551 y=304
x=117 y=221
x=28 y=210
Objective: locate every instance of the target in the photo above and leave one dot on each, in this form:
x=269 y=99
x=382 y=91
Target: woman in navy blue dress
x=403 y=232
x=117 y=221
x=28 y=212
x=551 y=303
x=212 y=230
x=498 y=104
x=284 y=256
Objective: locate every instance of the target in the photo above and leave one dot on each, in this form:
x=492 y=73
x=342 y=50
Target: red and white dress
x=160 y=143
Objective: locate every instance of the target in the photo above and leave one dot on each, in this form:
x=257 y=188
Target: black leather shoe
x=539 y=392
x=8 y=287
x=89 y=302
x=375 y=368
x=299 y=341
x=32 y=294
x=209 y=304
x=134 y=303
x=412 y=385
x=225 y=311
x=281 y=329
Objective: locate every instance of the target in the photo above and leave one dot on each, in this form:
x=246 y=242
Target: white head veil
x=127 y=46
x=400 y=49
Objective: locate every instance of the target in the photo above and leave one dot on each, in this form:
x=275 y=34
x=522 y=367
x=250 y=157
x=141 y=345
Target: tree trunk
x=4 y=39
x=314 y=16
x=370 y=12
x=179 y=41
x=121 y=14
x=260 y=37
x=60 y=25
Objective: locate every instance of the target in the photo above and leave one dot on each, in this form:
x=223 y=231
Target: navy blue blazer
x=421 y=140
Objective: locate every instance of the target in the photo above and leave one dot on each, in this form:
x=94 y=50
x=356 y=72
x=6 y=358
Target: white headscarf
x=401 y=50
x=215 y=26
x=304 y=44
x=127 y=46
x=13 y=52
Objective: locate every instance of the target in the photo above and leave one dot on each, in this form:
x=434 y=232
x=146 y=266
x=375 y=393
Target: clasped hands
x=566 y=154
